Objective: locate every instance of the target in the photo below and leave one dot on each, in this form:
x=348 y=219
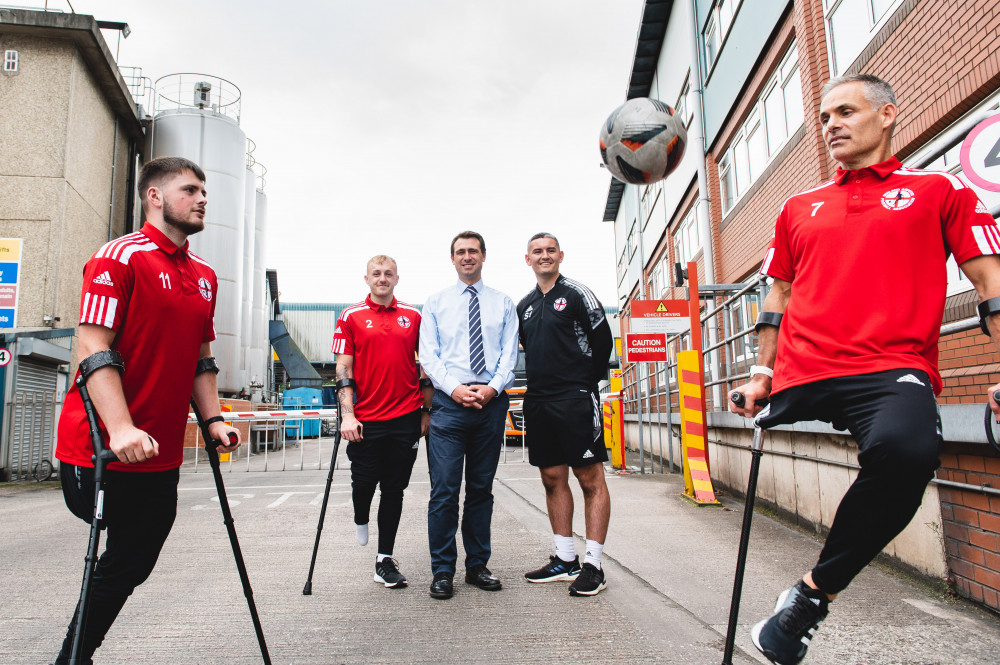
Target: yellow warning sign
x=661 y=307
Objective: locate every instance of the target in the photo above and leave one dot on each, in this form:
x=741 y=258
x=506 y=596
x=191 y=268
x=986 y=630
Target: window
x=712 y=42
x=720 y=19
x=773 y=119
x=631 y=241
x=687 y=237
x=682 y=107
x=10 y=62
x=851 y=25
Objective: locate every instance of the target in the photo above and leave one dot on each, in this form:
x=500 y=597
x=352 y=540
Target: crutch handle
x=739 y=399
x=215 y=443
x=996 y=396
x=106 y=455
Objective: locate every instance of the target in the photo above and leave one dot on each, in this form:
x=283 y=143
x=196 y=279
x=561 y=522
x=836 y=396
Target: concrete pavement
x=669 y=566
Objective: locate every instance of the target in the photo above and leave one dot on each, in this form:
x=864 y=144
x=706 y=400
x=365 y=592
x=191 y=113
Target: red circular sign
x=980 y=154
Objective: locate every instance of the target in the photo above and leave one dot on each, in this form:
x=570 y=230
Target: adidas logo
x=588 y=455
x=104 y=278
x=909 y=378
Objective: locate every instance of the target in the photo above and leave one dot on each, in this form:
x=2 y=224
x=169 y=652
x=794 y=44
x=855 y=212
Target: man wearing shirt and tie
x=468 y=348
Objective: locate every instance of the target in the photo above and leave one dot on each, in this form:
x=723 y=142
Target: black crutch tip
x=308 y=590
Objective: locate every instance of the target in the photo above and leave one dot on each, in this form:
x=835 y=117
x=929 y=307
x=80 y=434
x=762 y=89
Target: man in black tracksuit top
x=567 y=342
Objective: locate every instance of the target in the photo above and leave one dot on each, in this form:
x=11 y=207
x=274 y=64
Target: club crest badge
x=205 y=289
x=559 y=305
x=898 y=199
x=403 y=321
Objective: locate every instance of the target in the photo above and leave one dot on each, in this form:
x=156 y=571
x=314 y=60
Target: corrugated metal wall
x=311 y=326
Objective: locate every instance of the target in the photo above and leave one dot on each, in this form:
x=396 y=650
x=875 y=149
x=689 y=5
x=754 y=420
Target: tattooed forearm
x=345 y=395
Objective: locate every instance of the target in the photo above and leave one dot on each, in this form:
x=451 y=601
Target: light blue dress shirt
x=444 y=338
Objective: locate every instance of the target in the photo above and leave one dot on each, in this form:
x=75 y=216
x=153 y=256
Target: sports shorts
x=564 y=431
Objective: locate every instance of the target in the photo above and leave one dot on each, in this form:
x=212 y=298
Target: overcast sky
x=387 y=126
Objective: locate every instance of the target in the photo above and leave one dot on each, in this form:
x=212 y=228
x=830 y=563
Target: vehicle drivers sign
x=660 y=316
x=645 y=347
x=980 y=154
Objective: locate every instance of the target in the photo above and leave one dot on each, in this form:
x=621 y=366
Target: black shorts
x=897 y=403
x=564 y=431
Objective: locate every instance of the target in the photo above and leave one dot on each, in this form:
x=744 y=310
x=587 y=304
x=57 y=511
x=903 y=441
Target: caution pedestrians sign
x=645 y=347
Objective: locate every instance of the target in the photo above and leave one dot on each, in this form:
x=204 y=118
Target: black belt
x=475 y=383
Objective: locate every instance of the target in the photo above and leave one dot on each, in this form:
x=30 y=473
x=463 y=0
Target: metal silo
x=197 y=117
x=259 y=342
x=246 y=309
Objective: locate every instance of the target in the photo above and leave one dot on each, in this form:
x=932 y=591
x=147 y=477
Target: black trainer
x=555 y=570
x=784 y=637
x=590 y=582
x=387 y=572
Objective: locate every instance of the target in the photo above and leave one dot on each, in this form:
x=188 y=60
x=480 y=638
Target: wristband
x=214 y=419
x=425 y=383
x=425 y=409
x=760 y=369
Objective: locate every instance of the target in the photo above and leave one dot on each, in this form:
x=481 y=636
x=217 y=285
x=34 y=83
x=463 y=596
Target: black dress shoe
x=482 y=577
x=442 y=587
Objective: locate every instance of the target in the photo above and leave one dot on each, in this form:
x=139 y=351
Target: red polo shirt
x=383 y=340
x=160 y=300
x=866 y=254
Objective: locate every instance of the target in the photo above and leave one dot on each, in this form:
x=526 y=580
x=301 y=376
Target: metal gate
x=31 y=420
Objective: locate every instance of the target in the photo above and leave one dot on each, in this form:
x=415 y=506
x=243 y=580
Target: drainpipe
x=696 y=138
x=114 y=175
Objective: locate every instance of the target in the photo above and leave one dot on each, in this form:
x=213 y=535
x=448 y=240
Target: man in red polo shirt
x=147 y=297
x=376 y=346
x=850 y=328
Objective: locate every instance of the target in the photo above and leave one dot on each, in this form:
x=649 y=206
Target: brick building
x=759 y=75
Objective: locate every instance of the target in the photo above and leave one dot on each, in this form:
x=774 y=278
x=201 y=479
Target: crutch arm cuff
x=986 y=309
x=207 y=364
x=214 y=419
x=346 y=383
x=105 y=358
x=767 y=319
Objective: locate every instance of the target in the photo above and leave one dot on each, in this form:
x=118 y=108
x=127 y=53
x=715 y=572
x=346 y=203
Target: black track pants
x=384 y=457
x=139 y=509
x=894 y=418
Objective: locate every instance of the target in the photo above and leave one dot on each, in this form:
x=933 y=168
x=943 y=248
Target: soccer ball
x=642 y=141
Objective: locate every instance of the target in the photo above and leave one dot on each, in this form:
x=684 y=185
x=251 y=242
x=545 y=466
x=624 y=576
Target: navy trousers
x=462 y=437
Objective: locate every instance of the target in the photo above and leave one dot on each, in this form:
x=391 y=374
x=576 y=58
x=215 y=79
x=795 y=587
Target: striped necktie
x=477 y=359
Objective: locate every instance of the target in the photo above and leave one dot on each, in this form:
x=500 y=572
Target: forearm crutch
x=741 y=558
x=308 y=588
x=211 y=446
x=100 y=460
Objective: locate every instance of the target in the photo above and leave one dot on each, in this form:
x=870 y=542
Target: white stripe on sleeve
x=767 y=261
x=109 y=315
x=979 y=233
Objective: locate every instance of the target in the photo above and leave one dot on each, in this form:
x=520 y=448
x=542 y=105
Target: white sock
x=380 y=557
x=362 y=533
x=565 y=549
x=594 y=551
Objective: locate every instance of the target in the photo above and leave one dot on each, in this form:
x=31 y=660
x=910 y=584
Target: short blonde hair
x=379 y=259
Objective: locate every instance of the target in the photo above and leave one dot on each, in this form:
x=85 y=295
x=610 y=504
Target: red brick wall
x=972 y=524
